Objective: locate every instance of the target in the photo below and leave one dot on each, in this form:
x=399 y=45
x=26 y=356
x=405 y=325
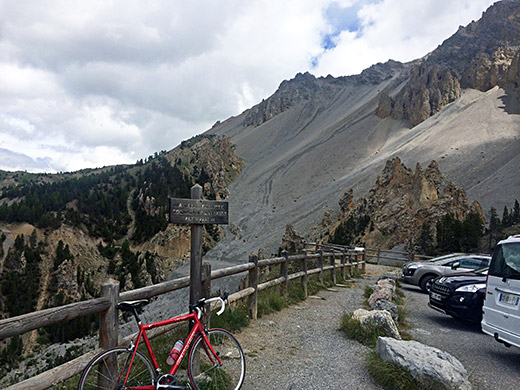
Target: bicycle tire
x=230 y=375
x=101 y=374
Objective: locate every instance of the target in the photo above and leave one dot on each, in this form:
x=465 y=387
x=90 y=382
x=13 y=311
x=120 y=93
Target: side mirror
x=455 y=265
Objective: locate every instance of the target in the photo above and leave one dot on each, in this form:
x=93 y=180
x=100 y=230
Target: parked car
x=460 y=295
x=501 y=311
x=422 y=273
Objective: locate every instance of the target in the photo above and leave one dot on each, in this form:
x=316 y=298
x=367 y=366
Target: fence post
x=109 y=320
x=350 y=264
x=333 y=270
x=320 y=265
x=252 y=300
x=284 y=273
x=206 y=289
x=378 y=255
x=363 y=265
x=304 y=279
x=196 y=253
x=108 y=327
x=343 y=258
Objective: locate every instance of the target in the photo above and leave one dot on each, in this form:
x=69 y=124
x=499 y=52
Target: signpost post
x=197 y=212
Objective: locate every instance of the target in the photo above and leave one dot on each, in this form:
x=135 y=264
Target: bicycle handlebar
x=203 y=301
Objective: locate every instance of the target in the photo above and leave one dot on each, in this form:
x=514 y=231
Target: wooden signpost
x=197 y=212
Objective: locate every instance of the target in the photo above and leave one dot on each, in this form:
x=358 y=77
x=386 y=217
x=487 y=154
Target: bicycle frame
x=197 y=329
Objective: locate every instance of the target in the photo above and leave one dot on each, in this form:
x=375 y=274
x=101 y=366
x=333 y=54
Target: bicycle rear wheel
x=109 y=369
x=203 y=369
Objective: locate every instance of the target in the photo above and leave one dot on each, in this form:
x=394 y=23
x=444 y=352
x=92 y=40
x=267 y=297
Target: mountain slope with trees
x=63 y=235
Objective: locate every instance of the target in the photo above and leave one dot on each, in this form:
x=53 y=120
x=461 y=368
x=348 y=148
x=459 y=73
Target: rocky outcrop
x=215 y=155
x=429 y=89
x=487 y=71
x=426 y=364
x=398 y=204
x=292 y=241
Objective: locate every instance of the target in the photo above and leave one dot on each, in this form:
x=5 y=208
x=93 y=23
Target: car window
x=470 y=262
x=506 y=260
x=485 y=262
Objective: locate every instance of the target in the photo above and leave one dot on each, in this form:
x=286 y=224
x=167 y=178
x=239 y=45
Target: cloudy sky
x=95 y=83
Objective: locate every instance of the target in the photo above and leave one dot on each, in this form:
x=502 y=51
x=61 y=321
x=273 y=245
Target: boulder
x=389 y=283
x=390 y=276
x=377 y=318
x=424 y=363
x=380 y=293
x=388 y=306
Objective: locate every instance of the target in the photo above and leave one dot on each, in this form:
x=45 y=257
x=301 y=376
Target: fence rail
x=326 y=259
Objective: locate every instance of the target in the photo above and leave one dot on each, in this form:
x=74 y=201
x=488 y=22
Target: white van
x=501 y=310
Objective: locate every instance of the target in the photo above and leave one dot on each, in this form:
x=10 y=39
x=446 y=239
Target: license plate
x=437 y=297
x=509 y=299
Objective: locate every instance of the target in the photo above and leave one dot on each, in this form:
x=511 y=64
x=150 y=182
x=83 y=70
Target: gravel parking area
x=490 y=365
x=302 y=348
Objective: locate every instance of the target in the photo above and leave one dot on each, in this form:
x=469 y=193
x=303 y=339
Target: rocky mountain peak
x=380 y=72
x=482 y=55
x=302 y=87
x=498 y=27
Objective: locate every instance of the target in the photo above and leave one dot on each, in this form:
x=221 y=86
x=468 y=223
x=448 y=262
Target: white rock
x=377 y=318
x=424 y=362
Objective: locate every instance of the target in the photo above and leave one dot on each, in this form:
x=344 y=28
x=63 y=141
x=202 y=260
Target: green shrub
x=232 y=319
x=269 y=302
x=368 y=292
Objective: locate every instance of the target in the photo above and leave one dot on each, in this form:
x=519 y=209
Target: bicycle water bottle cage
x=168 y=382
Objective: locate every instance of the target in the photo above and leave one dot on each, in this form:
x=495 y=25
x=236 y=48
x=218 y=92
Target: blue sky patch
x=343 y=19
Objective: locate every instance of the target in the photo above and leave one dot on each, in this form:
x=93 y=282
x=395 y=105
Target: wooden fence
x=319 y=257
x=380 y=256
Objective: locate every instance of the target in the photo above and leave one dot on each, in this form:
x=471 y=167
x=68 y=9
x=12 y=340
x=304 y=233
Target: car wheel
x=426 y=283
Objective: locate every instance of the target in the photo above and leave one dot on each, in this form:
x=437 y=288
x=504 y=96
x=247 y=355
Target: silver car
x=422 y=273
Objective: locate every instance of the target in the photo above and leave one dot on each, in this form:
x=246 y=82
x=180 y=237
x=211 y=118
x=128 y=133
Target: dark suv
x=460 y=295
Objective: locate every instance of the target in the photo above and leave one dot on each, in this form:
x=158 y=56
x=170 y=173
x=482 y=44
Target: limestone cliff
x=429 y=89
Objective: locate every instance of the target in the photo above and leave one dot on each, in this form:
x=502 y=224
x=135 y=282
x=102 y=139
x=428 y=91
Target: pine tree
x=505 y=217
x=494 y=227
x=426 y=239
x=516 y=212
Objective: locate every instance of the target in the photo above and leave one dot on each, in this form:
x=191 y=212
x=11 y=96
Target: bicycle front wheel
x=203 y=368
x=109 y=369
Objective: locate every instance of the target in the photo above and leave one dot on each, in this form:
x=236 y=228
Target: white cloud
x=402 y=30
x=95 y=83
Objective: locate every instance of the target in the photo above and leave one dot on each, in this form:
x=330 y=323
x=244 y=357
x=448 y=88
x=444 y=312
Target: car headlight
x=471 y=287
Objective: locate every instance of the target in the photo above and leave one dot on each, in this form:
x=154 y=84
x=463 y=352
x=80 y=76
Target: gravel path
x=302 y=348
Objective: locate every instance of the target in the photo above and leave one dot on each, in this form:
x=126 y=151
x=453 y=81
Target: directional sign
x=198 y=211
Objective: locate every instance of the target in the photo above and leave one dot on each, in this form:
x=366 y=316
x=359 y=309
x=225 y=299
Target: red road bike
x=215 y=358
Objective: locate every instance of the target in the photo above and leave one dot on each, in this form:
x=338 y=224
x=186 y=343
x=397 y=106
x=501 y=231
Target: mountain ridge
x=301 y=159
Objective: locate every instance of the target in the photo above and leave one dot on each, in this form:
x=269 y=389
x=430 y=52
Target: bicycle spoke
x=206 y=373
x=110 y=369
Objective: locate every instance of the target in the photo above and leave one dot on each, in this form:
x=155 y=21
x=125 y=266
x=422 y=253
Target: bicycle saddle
x=130 y=305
